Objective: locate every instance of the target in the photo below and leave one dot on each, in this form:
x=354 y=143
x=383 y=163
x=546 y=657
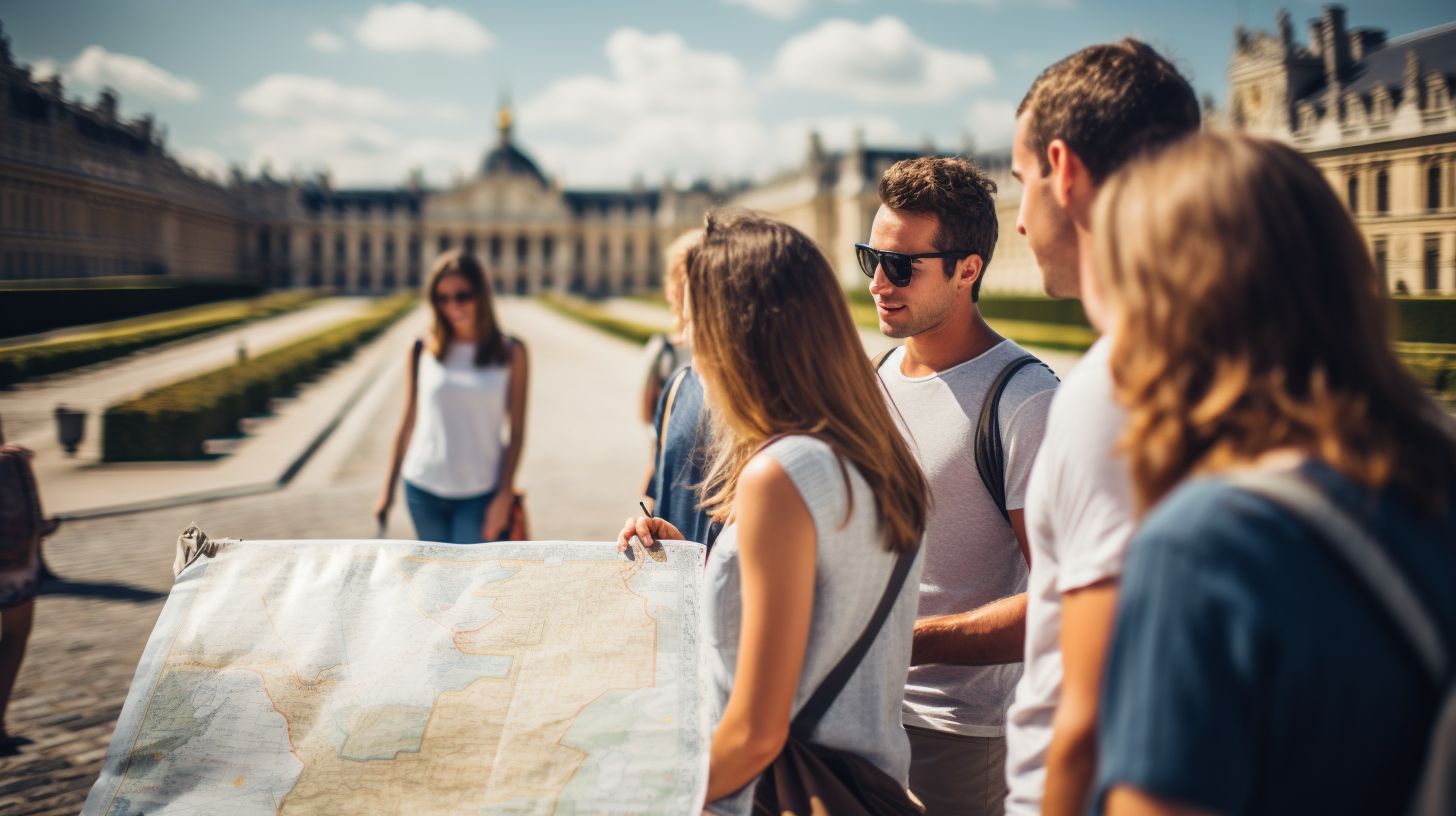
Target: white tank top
x=460 y=410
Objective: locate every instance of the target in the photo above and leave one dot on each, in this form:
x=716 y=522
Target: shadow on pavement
x=110 y=592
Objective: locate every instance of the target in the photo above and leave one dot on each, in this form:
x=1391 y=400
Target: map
x=401 y=677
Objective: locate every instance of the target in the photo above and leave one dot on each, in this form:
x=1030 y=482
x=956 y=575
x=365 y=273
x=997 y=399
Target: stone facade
x=85 y=194
x=1376 y=116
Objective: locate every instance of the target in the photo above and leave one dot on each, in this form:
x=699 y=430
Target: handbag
x=807 y=779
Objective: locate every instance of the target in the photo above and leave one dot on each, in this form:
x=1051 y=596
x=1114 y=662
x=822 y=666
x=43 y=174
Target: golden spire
x=504 y=119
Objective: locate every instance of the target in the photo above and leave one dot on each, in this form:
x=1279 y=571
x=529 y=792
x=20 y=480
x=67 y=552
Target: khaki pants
x=956 y=775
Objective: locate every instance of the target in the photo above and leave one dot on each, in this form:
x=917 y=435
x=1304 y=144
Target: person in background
x=822 y=503
x=22 y=527
x=459 y=439
x=1252 y=670
x=1083 y=118
x=666 y=353
x=680 y=428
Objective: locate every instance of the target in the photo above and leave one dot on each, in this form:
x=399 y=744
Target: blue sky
x=604 y=92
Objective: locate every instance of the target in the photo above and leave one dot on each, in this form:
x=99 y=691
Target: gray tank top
x=851 y=570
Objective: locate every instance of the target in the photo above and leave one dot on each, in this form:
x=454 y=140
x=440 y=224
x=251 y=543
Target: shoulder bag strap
x=672 y=388
x=1362 y=554
x=990 y=454
x=814 y=709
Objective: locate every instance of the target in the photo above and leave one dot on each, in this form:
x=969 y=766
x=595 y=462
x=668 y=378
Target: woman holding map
x=459 y=439
x=823 y=507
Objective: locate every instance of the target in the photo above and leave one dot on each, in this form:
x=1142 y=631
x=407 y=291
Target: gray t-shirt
x=851 y=570
x=971 y=554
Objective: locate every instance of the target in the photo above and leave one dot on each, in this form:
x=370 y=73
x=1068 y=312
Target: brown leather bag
x=814 y=780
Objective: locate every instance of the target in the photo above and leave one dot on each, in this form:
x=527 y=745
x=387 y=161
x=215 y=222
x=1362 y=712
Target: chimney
x=106 y=104
x=1411 y=87
x=1286 y=29
x=1335 y=45
x=1316 y=37
x=1365 y=41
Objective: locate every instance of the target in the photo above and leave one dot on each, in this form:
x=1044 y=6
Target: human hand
x=647 y=530
x=381 y=510
x=498 y=516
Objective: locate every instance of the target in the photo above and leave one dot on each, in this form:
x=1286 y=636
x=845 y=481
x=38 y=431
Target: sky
x=604 y=94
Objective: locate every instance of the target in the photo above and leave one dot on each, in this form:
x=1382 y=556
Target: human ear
x=969 y=270
x=1064 y=165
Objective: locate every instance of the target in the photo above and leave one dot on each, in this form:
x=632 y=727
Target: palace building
x=1376 y=115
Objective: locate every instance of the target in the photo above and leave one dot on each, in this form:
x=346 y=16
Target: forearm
x=506 y=477
x=990 y=635
x=396 y=457
x=737 y=757
x=1070 y=766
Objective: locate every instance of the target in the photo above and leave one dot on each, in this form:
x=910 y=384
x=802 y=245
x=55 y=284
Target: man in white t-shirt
x=929 y=246
x=1083 y=118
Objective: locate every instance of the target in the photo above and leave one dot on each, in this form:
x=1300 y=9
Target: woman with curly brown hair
x=1251 y=669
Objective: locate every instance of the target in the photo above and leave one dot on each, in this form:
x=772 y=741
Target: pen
x=655 y=551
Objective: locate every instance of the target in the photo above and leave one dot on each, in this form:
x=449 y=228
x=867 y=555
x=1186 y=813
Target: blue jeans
x=448 y=521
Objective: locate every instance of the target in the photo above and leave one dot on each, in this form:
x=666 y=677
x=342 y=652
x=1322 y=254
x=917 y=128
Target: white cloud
x=878 y=62
x=325 y=41
x=295 y=96
x=95 y=67
x=991 y=122
x=663 y=108
x=355 y=153
x=413 y=27
x=989 y=4
x=778 y=9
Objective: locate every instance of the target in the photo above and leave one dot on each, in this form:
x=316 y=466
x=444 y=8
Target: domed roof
x=505 y=158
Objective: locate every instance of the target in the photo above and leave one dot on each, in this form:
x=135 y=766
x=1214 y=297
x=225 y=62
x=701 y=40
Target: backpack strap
x=1358 y=550
x=990 y=453
x=818 y=704
x=673 y=386
x=879 y=359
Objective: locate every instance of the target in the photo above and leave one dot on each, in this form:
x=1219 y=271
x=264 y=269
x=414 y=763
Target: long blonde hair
x=778 y=354
x=1248 y=317
x=490 y=344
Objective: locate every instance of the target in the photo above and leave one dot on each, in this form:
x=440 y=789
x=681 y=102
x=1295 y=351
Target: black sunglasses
x=898 y=266
x=460 y=298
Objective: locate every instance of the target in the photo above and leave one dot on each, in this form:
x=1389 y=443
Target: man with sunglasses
x=929 y=246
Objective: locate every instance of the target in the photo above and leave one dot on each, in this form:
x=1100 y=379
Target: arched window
x=1433 y=186
x=1382 y=192
x=1352 y=192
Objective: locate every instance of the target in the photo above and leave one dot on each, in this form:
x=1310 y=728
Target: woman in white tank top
x=459 y=440
x=822 y=502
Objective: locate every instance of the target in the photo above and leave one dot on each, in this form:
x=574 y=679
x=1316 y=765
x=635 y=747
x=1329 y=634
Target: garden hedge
x=19 y=362
x=26 y=310
x=174 y=421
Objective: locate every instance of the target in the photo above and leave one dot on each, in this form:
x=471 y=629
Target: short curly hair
x=1109 y=103
x=958 y=194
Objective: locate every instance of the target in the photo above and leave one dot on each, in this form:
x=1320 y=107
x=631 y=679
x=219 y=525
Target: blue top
x=682 y=466
x=1251 y=673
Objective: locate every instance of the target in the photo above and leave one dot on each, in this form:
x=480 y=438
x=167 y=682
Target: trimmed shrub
x=1425 y=319
x=20 y=362
x=596 y=317
x=28 y=311
x=175 y=420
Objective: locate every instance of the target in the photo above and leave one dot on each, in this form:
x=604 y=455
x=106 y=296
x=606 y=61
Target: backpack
x=990 y=454
x=1357 y=549
x=20 y=516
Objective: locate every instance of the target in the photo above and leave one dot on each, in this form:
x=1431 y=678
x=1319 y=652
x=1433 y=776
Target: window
x=1382 y=192
x=1352 y=193
x=341 y=251
x=470 y=245
x=495 y=249
x=1382 y=259
x=389 y=249
x=365 y=248
x=523 y=246
x=1432 y=263
x=548 y=248
x=316 y=247
x=1433 y=187
x=444 y=243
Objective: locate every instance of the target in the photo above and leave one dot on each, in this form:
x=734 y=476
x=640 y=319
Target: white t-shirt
x=458 y=440
x=1079 y=518
x=971 y=554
